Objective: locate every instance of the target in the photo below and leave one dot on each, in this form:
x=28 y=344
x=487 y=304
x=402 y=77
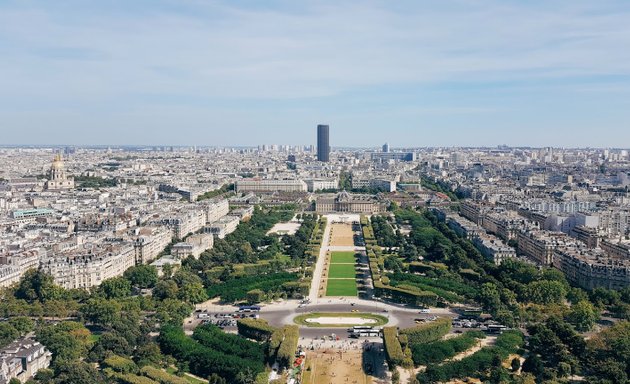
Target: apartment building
x=90 y=265
x=592 y=268
x=194 y=246
x=215 y=209
x=539 y=245
x=150 y=242
x=22 y=359
x=271 y=185
x=223 y=227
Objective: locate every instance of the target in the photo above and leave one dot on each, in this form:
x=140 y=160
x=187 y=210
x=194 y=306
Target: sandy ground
x=334 y=366
x=342 y=235
x=288 y=228
x=341 y=320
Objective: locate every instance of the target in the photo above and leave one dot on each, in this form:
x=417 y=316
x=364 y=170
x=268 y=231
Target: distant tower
x=58 y=178
x=323 y=143
x=386 y=147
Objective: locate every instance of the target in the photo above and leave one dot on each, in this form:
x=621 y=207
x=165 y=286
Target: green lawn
x=341 y=287
x=342 y=271
x=301 y=319
x=342 y=257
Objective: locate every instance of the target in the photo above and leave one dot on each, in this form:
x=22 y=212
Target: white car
x=425 y=310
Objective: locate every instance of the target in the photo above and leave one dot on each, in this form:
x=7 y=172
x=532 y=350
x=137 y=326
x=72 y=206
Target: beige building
x=270 y=185
x=223 y=226
x=346 y=202
x=90 y=266
x=194 y=246
x=592 y=268
x=150 y=242
x=215 y=209
x=539 y=245
x=22 y=359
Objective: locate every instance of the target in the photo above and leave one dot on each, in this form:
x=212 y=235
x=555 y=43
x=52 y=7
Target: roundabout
x=339 y=319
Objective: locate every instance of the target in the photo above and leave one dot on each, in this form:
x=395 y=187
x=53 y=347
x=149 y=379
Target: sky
x=226 y=73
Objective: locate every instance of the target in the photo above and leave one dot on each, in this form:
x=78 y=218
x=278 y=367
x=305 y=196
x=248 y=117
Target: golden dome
x=57 y=162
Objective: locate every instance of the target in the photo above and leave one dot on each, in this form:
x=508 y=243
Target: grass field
x=301 y=319
x=341 y=287
x=342 y=257
x=342 y=271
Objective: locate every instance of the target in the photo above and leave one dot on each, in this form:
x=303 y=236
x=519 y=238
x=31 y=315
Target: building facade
x=345 y=202
x=323 y=143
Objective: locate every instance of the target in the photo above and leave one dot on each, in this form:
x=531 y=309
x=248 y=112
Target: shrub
x=393 y=349
x=288 y=347
x=161 y=376
x=437 y=351
x=476 y=364
x=120 y=364
x=426 y=333
x=257 y=329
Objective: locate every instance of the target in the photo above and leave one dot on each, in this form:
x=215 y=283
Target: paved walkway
x=319 y=265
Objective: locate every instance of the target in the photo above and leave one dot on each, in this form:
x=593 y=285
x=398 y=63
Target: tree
x=78 y=372
x=22 y=324
x=142 y=276
x=516 y=364
x=67 y=340
x=115 y=288
x=173 y=311
x=101 y=311
x=489 y=297
x=8 y=333
x=609 y=353
x=165 y=289
x=191 y=287
x=148 y=354
x=545 y=292
x=583 y=316
x=38 y=286
x=255 y=296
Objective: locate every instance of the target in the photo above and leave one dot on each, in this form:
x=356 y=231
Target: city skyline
x=225 y=74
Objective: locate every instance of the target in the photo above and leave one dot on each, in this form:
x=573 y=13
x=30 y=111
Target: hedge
x=393 y=349
x=428 y=332
x=212 y=337
x=120 y=364
x=256 y=329
x=476 y=364
x=288 y=347
x=132 y=379
x=161 y=376
x=437 y=351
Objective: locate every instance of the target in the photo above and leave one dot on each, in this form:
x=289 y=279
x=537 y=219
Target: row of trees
x=520 y=294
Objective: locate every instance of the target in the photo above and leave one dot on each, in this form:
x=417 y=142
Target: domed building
x=58 y=180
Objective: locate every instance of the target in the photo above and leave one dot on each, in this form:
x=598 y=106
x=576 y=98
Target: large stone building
x=150 y=242
x=58 y=179
x=271 y=185
x=90 y=266
x=22 y=359
x=592 y=268
x=345 y=202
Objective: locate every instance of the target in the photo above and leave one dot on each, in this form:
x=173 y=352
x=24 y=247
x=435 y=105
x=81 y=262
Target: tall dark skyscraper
x=323 y=143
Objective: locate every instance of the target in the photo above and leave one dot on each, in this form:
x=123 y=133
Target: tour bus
x=366 y=333
x=361 y=327
x=249 y=308
x=496 y=328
